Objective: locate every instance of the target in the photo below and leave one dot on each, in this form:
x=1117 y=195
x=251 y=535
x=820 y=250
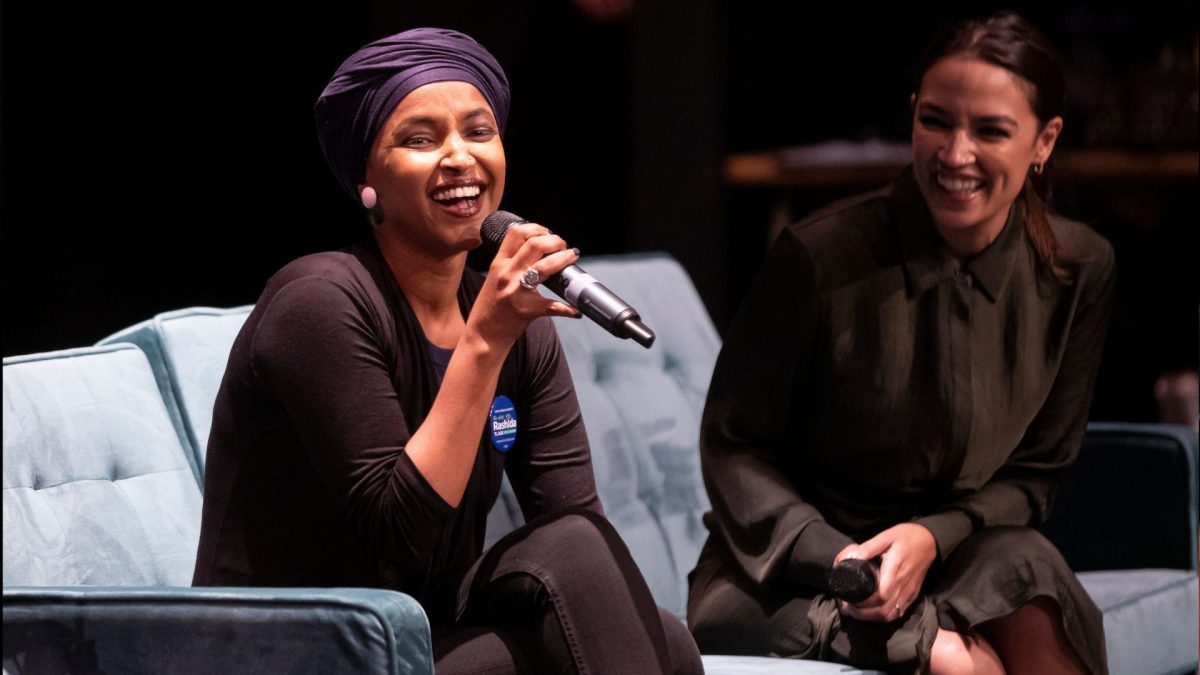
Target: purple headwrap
x=369 y=85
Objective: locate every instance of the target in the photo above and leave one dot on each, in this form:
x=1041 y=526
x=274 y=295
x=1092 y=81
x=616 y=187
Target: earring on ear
x=369 y=198
x=370 y=202
x=1037 y=168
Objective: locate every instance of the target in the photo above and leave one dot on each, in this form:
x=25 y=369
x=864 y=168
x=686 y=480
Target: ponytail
x=1037 y=227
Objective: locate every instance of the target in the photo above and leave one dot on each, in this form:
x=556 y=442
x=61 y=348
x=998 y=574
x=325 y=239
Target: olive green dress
x=872 y=379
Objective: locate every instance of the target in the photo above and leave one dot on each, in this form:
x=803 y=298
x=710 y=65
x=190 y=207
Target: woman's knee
x=578 y=522
x=958 y=654
x=568 y=548
x=949 y=655
x=728 y=618
x=582 y=535
x=681 y=647
x=716 y=631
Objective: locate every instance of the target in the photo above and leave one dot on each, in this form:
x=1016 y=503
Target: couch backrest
x=98 y=489
x=642 y=411
x=1141 y=528
x=188 y=350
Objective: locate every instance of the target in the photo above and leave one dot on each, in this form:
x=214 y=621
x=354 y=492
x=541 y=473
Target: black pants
x=562 y=595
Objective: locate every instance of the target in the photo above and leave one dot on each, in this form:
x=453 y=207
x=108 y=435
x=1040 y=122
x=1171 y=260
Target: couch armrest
x=214 y=630
x=1130 y=500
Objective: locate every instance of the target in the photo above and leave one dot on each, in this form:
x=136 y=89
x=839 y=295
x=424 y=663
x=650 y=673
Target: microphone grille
x=496 y=225
x=853 y=580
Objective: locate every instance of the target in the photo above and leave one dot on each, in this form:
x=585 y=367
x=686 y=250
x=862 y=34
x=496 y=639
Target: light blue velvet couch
x=104 y=453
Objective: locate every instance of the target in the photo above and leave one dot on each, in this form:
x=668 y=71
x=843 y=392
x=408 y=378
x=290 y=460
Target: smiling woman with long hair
x=908 y=378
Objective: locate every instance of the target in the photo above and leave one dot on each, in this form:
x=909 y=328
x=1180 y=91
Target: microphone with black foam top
x=854 y=580
x=578 y=288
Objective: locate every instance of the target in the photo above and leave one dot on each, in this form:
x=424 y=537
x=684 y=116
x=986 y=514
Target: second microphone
x=578 y=288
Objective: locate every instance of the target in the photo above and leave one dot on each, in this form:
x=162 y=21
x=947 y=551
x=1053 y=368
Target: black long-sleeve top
x=307 y=482
x=870 y=379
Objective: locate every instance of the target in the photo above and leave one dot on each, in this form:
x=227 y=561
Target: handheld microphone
x=578 y=288
x=853 y=580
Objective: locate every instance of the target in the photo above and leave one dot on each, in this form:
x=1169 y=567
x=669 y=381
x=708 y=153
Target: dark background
x=159 y=155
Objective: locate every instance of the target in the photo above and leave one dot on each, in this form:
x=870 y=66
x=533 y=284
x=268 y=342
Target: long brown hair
x=1009 y=41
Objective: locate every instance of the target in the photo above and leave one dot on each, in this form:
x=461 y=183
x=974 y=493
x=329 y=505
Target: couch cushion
x=761 y=665
x=97 y=488
x=188 y=349
x=1150 y=619
x=505 y=515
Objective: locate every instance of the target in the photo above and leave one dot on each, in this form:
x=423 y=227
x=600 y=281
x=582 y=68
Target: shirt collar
x=926 y=259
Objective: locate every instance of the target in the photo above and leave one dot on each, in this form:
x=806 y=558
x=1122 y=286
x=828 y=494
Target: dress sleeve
x=551 y=466
x=319 y=351
x=744 y=435
x=1021 y=491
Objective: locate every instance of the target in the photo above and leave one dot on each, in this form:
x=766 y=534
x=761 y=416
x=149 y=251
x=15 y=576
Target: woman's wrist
x=948 y=529
x=481 y=347
x=814 y=551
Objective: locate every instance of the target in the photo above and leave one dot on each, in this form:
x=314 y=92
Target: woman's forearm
x=443 y=448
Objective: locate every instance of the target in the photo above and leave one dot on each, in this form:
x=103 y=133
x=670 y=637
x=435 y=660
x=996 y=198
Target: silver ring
x=899 y=612
x=530 y=279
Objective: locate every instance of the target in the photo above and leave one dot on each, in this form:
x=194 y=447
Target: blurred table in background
x=837 y=167
x=867 y=163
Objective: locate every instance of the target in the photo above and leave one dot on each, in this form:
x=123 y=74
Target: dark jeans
x=562 y=595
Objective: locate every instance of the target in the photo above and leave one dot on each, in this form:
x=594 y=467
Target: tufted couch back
x=97 y=488
x=188 y=350
x=641 y=408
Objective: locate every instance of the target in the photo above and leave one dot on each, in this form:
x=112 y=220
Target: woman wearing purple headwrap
x=376 y=396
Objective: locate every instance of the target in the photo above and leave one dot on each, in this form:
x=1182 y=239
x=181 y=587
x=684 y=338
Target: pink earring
x=369 y=198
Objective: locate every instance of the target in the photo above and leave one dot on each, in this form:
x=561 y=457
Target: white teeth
x=958 y=184
x=457 y=193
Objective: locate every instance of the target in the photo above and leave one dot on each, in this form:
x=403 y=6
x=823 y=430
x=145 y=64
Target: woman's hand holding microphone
x=509 y=299
x=905 y=553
